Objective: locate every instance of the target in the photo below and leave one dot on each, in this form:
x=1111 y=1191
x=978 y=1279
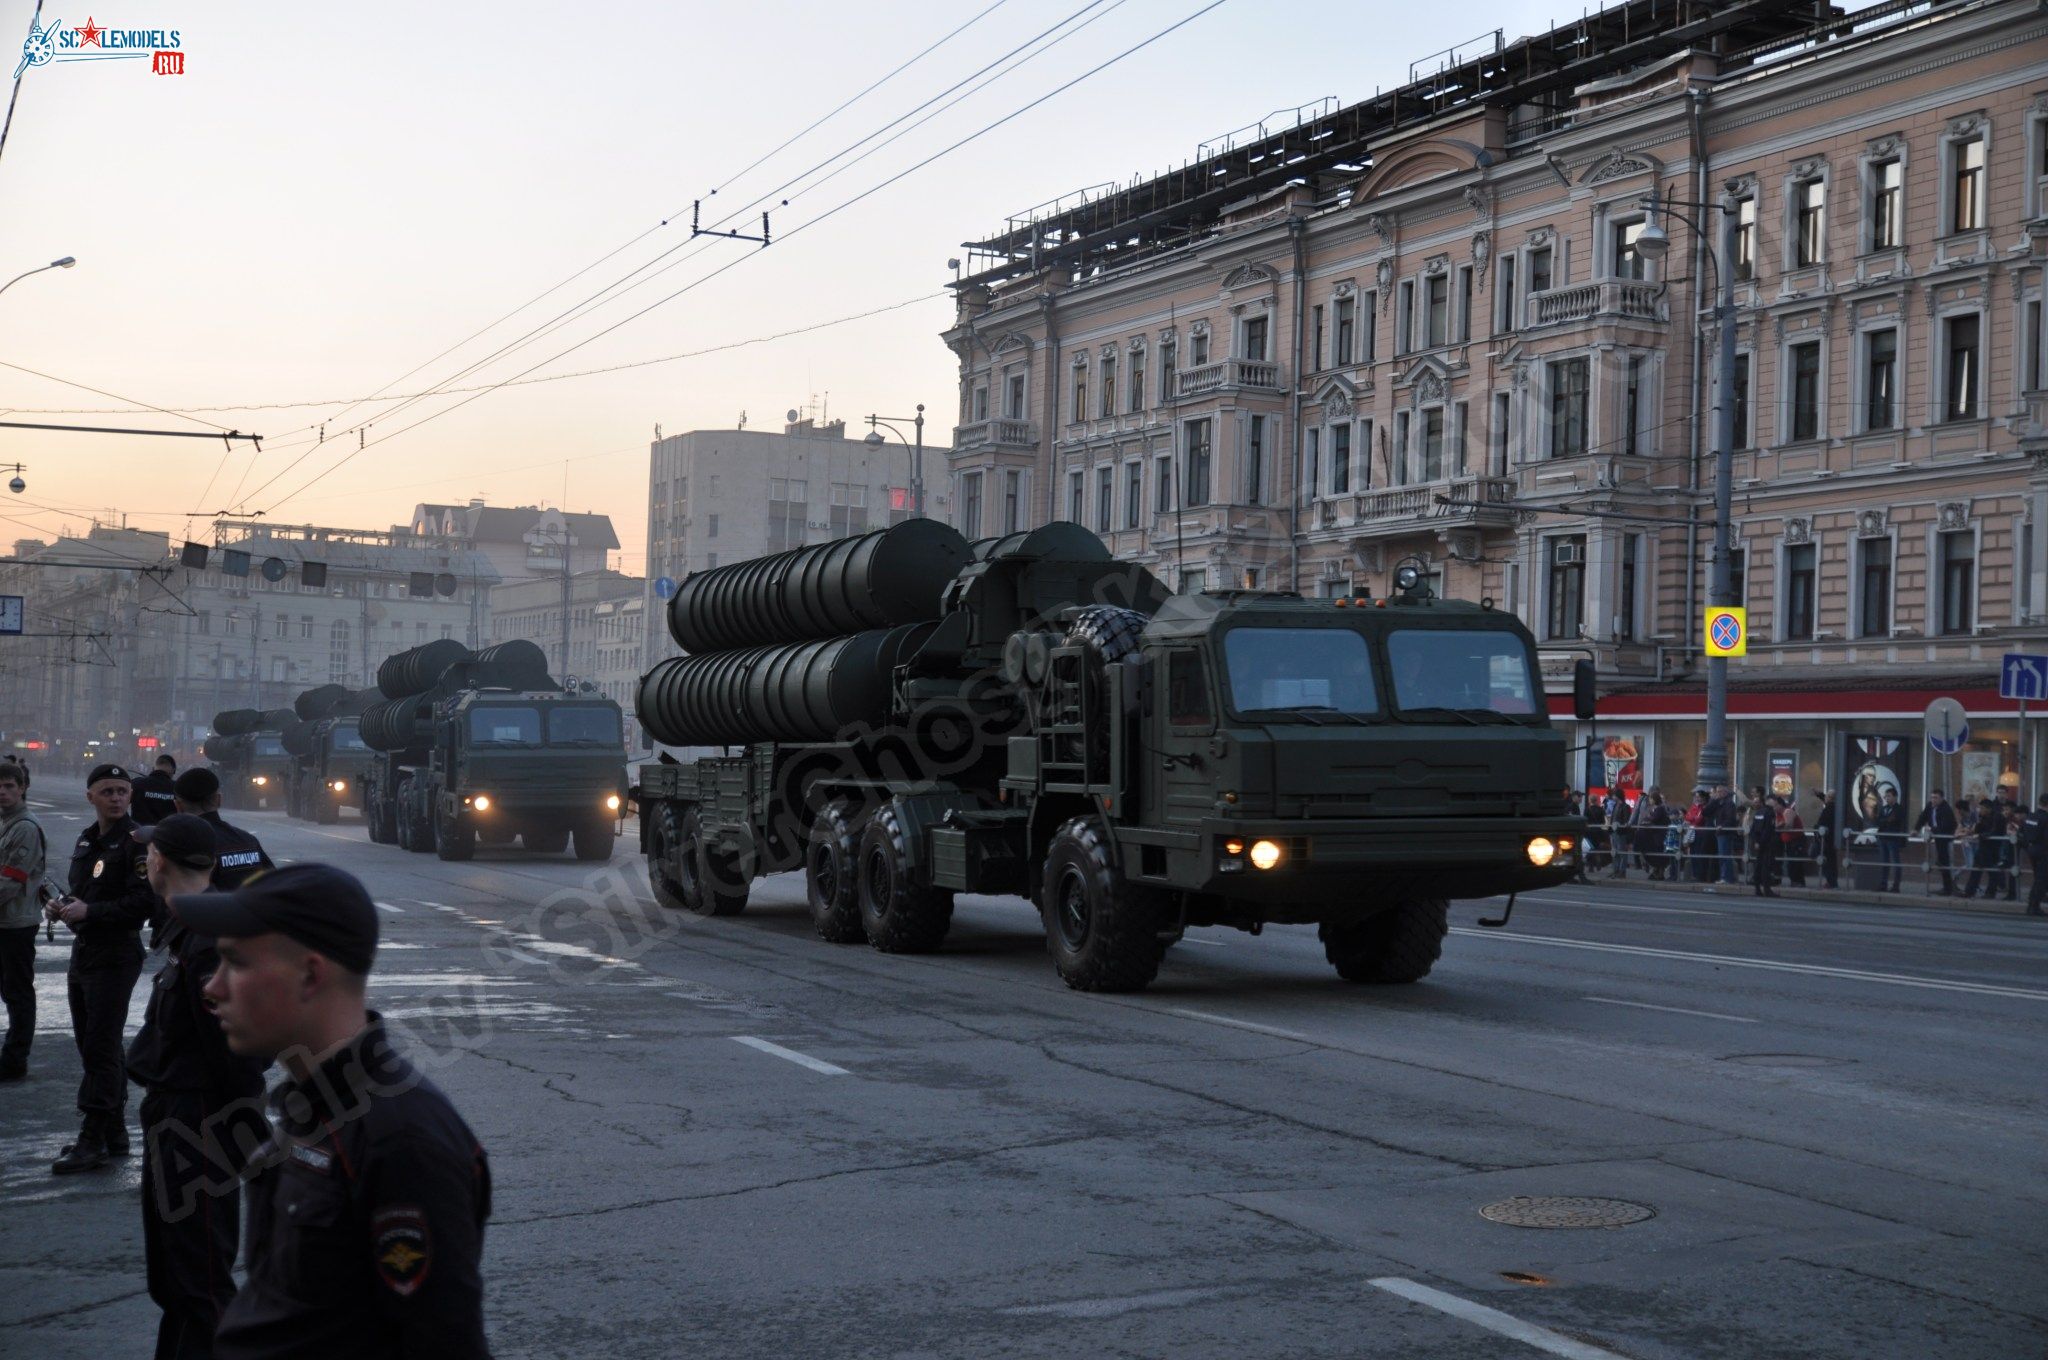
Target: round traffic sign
x=664 y=586
x=1726 y=630
x=1948 y=727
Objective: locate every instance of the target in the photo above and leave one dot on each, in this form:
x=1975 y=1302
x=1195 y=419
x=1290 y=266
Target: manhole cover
x=1566 y=1211
x=1787 y=1060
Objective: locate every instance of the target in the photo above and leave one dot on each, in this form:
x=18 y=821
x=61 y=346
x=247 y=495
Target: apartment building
x=534 y=609
x=621 y=645
x=1419 y=327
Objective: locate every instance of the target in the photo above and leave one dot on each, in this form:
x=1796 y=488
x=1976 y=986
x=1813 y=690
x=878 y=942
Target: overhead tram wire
x=823 y=217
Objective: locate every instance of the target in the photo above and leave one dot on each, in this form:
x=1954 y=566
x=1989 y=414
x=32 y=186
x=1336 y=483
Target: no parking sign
x=1727 y=630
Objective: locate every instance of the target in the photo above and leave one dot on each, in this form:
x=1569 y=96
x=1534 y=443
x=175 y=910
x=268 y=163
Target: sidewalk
x=1848 y=897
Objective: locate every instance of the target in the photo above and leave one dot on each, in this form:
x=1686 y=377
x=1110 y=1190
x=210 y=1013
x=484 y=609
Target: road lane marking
x=1243 y=1024
x=395 y=911
x=1768 y=965
x=1535 y=900
x=1213 y=944
x=1493 y=1320
x=1673 y=1010
x=791 y=1055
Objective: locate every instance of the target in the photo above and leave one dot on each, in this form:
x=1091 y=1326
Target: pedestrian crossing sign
x=1727 y=630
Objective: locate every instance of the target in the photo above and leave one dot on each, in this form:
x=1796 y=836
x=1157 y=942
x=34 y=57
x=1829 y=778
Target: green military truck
x=329 y=757
x=906 y=716
x=246 y=750
x=484 y=747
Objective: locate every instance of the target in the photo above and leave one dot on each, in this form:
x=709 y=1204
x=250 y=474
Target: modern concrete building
x=621 y=645
x=534 y=609
x=1419 y=327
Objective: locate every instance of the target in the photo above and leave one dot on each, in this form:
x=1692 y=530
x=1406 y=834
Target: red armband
x=12 y=874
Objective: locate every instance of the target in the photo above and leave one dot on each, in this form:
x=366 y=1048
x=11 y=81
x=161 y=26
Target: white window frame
x=1885 y=150
x=1806 y=174
x=1859 y=377
x=2035 y=176
x=1785 y=388
x=1781 y=590
x=1938 y=412
x=1105 y=509
x=1240 y=336
x=1859 y=629
x=1134 y=494
x=1329 y=476
x=1979 y=128
x=1935 y=612
x=1017 y=378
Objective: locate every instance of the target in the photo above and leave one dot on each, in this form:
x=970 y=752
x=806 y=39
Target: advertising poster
x=1980 y=775
x=1784 y=766
x=1616 y=763
x=1875 y=765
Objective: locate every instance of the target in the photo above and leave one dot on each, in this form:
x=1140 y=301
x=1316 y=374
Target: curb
x=1843 y=897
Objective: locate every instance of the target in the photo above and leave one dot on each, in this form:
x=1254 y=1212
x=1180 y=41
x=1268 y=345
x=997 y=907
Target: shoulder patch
x=312 y=1156
x=401 y=1248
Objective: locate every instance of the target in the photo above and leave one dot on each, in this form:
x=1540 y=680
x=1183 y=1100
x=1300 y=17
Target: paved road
x=730 y=1138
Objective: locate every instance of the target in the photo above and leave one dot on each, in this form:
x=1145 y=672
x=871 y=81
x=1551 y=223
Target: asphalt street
x=728 y=1138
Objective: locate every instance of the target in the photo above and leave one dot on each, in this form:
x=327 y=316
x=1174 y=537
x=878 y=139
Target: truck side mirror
x=1585 y=690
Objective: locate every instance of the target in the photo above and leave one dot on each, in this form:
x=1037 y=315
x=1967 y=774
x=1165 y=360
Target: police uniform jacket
x=238 y=856
x=180 y=1046
x=110 y=874
x=154 y=800
x=366 y=1218
x=22 y=855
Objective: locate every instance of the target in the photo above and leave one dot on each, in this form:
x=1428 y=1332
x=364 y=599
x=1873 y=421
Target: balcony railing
x=1472 y=500
x=1626 y=299
x=1200 y=520
x=1230 y=373
x=2031 y=424
x=997 y=434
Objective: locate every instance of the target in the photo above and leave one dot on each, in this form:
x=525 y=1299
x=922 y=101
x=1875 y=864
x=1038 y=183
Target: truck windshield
x=1461 y=671
x=583 y=725
x=346 y=739
x=504 y=726
x=268 y=746
x=1292 y=670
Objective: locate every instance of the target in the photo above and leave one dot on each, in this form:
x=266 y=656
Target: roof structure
x=511 y=524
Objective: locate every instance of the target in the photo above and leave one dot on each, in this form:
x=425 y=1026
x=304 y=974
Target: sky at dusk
x=331 y=196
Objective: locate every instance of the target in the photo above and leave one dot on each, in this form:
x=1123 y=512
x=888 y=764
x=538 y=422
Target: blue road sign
x=2023 y=676
x=1948 y=727
x=664 y=586
x=10 y=613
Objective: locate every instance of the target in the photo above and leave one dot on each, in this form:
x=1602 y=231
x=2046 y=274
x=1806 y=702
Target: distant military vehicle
x=247 y=752
x=329 y=758
x=908 y=716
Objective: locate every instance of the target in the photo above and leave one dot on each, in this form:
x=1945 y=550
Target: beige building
x=534 y=609
x=1419 y=327
x=621 y=645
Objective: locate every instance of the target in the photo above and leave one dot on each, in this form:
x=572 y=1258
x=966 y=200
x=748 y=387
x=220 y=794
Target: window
x=1162 y=483
x=1799 y=583
x=1567 y=587
x=1167 y=352
x=1397 y=470
x=1108 y=408
x=1497 y=437
x=1745 y=238
x=1506 y=317
x=587 y=724
x=305 y=626
x=1255 y=460
x=1803 y=390
x=1346 y=324
x=1958 y=580
x=1960 y=334
x=1198 y=348
x=1539 y=270
x=1966 y=185
x=1137 y=400
x=970 y=504
x=1134 y=494
x=1315 y=338
x=1311 y=459
x=1194 y=580
x=1433 y=444
x=1743 y=434
x=1187 y=689
x=1628 y=261
x=504 y=726
x=979 y=410
x=1013 y=500
x=205 y=625
x=1625 y=606
x=1364 y=478
x=1340 y=459
x=1076 y=497
x=1105 y=497
x=1464 y=304
x=1255 y=339
x=1738 y=575
x=1569 y=384
x=1458 y=423
x=1273 y=669
x=1809 y=222
x=1887 y=201
x=2031 y=346
x=1880 y=380
x=1437 y=322
x=1369 y=320
x=1405 y=320
x=337 y=650
x=1632 y=397
x=1013 y=399
x=281 y=626
x=1874 y=588
x=1197 y=485
x=1080 y=412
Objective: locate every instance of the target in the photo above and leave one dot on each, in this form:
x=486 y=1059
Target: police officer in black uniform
x=109 y=905
x=155 y=795
x=238 y=855
x=200 y=1115
x=367 y=1212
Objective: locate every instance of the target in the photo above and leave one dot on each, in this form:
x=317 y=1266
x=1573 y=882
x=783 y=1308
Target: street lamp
x=1652 y=243
x=916 y=453
x=64 y=263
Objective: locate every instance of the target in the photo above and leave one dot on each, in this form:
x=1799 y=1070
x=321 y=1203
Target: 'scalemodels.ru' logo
x=55 y=42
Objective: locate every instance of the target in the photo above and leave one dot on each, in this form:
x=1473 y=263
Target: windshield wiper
x=1470 y=715
x=1311 y=713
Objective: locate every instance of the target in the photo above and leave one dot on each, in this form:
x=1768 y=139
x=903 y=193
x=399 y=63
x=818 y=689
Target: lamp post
x=916 y=453
x=1652 y=243
x=64 y=263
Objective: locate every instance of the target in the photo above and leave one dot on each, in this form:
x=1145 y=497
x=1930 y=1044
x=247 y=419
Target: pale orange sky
x=330 y=195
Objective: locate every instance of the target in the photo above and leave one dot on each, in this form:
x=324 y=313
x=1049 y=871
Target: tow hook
x=1505 y=913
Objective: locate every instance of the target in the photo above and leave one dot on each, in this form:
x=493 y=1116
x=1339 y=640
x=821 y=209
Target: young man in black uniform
x=199 y=1112
x=109 y=905
x=155 y=795
x=366 y=1217
x=238 y=854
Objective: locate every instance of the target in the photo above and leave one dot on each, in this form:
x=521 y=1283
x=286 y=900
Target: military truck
x=247 y=752
x=906 y=716
x=327 y=751
x=484 y=746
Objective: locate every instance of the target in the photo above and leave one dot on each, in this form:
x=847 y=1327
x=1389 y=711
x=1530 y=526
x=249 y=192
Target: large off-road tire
x=1103 y=933
x=664 y=857
x=328 y=810
x=552 y=840
x=418 y=823
x=713 y=882
x=1400 y=944
x=594 y=841
x=455 y=838
x=831 y=875
x=899 y=912
x=1111 y=636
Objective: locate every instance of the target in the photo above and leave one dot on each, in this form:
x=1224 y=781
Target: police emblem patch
x=400 y=1248
x=99 y=866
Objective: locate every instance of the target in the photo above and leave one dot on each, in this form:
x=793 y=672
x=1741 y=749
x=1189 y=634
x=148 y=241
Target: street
x=727 y=1138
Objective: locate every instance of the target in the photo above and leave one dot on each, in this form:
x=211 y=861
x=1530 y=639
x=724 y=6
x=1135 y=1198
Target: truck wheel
x=665 y=853
x=455 y=839
x=1398 y=945
x=551 y=840
x=383 y=821
x=830 y=875
x=898 y=914
x=711 y=882
x=594 y=841
x=1103 y=933
x=1111 y=636
x=330 y=810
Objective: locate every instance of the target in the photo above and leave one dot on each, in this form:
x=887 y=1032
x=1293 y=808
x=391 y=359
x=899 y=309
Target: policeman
x=2033 y=838
x=154 y=795
x=200 y=1115
x=22 y=852
x=367 y=1212
x=110 y=902
x=239 y=855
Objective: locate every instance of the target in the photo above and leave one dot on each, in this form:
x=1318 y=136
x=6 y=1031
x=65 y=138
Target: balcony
x=1229 y=375
x=1205 y=521
x=2030 y=422
x=1606 y=299
x=1476 y=502
x=995 y=434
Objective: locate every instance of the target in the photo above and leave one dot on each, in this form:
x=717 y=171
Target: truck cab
x=543 y=766
x=262 y=775
x=330 y=775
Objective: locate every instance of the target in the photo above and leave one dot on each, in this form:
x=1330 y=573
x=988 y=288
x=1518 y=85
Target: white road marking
x=1213 y=944
x=438 y=906
x=1242 y=1024
x=395 y=911
x=1493 y=1320
x=1768 y=965
x=1673 y=1010
x=791 y=1055
x=1624 y=906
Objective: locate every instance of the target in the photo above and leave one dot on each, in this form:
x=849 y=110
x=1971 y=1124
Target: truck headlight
x=1541 y=851
x=482 y=802
x=339 y=786
x=1265 y=854
x=611 y=804
x=260 y=780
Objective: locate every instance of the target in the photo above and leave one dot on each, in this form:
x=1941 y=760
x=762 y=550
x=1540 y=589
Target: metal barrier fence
x=1865 y=861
